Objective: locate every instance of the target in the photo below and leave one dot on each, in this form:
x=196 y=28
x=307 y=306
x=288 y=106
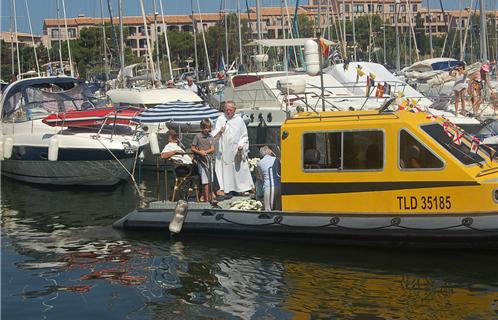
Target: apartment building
x=24 y=39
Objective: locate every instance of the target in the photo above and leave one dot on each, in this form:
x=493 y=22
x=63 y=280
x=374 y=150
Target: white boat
x=35 y=152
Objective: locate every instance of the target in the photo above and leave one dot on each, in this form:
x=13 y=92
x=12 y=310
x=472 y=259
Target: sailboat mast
x=344 y=30
x=121 y=42
x=430 y=26
x=165 y=32
x=484 y=47
x=32 y=38
x=17 y=40
x=147 y=38
x=196 y=71
x=104 y=42
x=354 y=33
x=59 y=36
x=156 y=40
x=398 y=62
x=226 y=29
x=258 y=24
x=240 y=31
x=67 y=39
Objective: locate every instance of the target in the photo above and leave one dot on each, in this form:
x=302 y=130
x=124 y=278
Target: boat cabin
x=384 y=162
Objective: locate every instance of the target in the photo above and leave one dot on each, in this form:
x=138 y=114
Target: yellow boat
x=366 y=177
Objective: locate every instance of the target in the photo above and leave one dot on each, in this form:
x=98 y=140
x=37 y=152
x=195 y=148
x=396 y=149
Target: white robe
x=232 y=175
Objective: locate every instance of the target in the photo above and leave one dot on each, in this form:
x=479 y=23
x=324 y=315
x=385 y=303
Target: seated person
x=173 y=151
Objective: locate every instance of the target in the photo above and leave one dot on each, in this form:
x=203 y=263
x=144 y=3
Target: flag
x=325 y=46
x=387 y=88
x=457 y=138
x=474 y=147
x=431 y=117
x=379 y=93
x=359 y=73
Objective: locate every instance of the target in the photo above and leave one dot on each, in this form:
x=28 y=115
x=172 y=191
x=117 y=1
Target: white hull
x=104 y=173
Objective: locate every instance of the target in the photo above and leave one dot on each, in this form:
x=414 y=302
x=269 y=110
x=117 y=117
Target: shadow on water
x=60 y=256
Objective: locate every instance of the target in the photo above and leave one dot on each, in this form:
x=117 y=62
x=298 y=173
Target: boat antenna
x=32 y=38
x=165 y=32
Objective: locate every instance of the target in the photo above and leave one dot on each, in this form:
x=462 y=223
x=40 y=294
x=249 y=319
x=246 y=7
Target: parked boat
x=95 y=117
x=63 y=154
x=373 y=177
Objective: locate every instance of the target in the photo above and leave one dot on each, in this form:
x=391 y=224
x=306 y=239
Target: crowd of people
x=473 y=83
x=221 y=157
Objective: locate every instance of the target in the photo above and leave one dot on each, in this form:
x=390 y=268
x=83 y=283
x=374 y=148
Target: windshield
x=460 y=151
x=40 y=100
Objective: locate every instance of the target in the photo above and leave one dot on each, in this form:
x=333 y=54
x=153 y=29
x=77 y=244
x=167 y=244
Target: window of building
x=403 y=19
x=347 y=7
x=343 y=150
x=459 y=151
x=71 y=32
x=142 y=43
x=55 y=33
x=370 y=8
x=132 y=30
x=414 y=8
x=403 y=7
x=391 y=8
x=358 y=8
x=414 y=155
x=380 y=8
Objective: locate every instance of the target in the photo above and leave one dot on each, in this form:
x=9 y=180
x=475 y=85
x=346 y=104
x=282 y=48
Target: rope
x=334 y=222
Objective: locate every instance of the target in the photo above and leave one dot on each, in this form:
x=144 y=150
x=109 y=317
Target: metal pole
x=165 y=32
x=354 y=33
x=320 y=55
x=384 y=29
x=344 y=30
x=226 y=31
x=196 y=71
x=484 y=47
x=258 y=24
x=32 y=39
x=121 y=42
x=59 y=36
x=104 y=40
x=240 y=33
x=17 y=41
x=398 y=62
x=430 y=26
x=156 y=39
x=67 y=39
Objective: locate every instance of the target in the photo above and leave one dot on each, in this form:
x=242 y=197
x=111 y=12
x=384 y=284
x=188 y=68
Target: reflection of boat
x=369 y=177
x=36 y=152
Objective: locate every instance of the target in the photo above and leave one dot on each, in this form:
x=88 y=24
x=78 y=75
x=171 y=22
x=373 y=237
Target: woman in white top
x=460 y=86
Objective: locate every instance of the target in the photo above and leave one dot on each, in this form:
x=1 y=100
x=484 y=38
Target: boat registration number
x=424 y=202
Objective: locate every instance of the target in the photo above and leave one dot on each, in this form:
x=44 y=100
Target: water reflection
x=60 y=256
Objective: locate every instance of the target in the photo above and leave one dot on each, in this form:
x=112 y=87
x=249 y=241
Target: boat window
x=460 y=151
x=347 y=150
x=414 y=155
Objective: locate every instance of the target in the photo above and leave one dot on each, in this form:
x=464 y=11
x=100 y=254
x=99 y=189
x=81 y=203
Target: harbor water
x=61 y=259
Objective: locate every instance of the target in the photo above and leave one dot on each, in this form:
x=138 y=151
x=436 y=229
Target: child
x=203 y=147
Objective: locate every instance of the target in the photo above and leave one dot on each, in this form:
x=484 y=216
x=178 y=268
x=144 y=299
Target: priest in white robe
x=232 y=147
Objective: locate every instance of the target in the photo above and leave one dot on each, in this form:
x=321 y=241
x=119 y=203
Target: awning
x=178 y=112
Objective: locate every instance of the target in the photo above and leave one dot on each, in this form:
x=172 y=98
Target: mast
x=398 y=62
x=258 y=24
x=344 y=30
x=354 y=33
x=17 y=40
x=59 y=36
x=204 y=39
x=156 y=39
x=226 y=29
x=460 y=27
x=147 y=38
x=240 y=31
x=32 y=38
x=121 y=42
x=67 y=39
x=384 y=28
x=320 y=55
x=483 y=42
x=165 y=32
x=430 y=26
x=104 y=42
x=11 y=29
x=196 y=71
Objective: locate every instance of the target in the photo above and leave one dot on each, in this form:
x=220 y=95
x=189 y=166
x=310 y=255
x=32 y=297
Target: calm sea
x=61 y=259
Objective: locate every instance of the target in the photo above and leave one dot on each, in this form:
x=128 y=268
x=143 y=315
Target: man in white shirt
x=191 y=85
x=173 y=151
x=232 y=168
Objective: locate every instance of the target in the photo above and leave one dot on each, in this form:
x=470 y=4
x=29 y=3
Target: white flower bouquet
x=246 y=205
x=253 y=163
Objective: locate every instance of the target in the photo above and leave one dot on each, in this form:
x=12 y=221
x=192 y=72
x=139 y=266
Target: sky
x=42 y=9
